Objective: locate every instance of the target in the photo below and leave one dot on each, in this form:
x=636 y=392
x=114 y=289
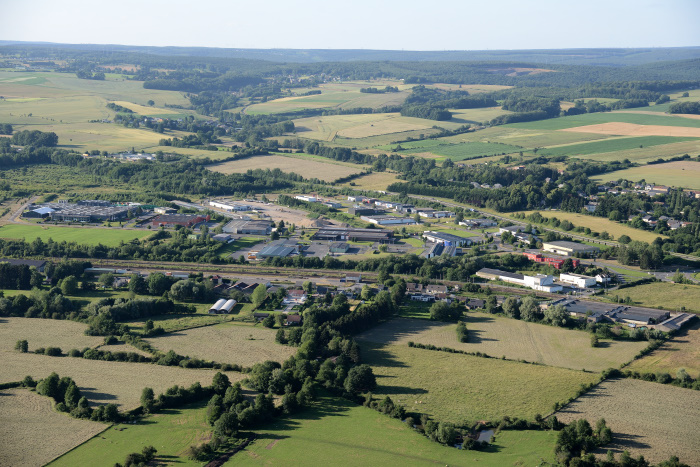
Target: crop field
x=647 y=153
x=571 y=122
x=377 y=181
x=611 y=145
x=337 y=429
x=226 y=343
x=600 y=224
x=192 y=152
x=650 y=419
x=171 y=432
x=45 y=333
x=105 y=382
x=512 y=338
x=328 y=128
x=304 y=167
x=683 y=351
x=632 y=129
x=176 y=322
x=33 y=433
x=147 y=110
x=666 y=295
x=461 y=388
x=523 y=137
x=462 y=151
x=684 y=174
x=477 y=116
x=82 y=235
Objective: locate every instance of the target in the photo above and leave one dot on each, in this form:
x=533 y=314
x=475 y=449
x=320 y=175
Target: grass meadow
x=682 y=351
x=336 y=429
x=105 y=382
x=612 y=145
x=82 y=235
x=650 y=419
x=461 y=151
x=33 y=433
x=462 y=389
x=516 y=340
x=666 y=295
x=376 y=181
x=45 y=333
x=684 y=174
x=302 y=166
x=562 y=123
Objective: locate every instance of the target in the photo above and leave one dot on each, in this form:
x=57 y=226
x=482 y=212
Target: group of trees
x=35 y=138
x=69 y=399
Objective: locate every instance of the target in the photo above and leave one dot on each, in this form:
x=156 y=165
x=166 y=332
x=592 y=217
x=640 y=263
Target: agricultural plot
x=337 y=429
x=684 y=174
x=45 y=333
x=81 y=235
x=632 y=129
x=611 y=145
x=649 y=419
x=600 y=224
x=666 y=295
x=33 y=433
x=460 y=388
x=477 y=116
x=105 y=382
x=226 y=343
x=647 y=153
x=571 y=122
x=463 y=151
x=683 y=351
x=377 y=181
x=514 y=339
x=523 y=137
x=306 y=168
x=328 y=128
x=147 y=111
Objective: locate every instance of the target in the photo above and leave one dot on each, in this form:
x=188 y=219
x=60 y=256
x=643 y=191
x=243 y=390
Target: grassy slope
x=337 y=432
x=460 y=388
x=83 y=235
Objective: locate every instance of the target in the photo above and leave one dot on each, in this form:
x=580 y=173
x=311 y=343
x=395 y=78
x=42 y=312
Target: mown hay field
x=147 y=110
x=633 y=129
x=458 y=151
x=104 y=382
x=683 y=351
x=45 y=333
x=375 y=181
x=685 y=297
x=226 y=343
x=477 y=116
x=516 y=340
x=300 y=166
x=650 y=419
x=327 y=128
x=523 y=137
x=684 y=174
x=462 y=389
x=32 y=433
x=336 y=429
x=82 y=235
x=599 y=224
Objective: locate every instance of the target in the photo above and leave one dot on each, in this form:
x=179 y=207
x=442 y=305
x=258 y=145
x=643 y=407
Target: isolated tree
x=147 y=399
x=157 y=283
x=69 y=286
x=269 y=321
x=22 y=346
x=151 y=103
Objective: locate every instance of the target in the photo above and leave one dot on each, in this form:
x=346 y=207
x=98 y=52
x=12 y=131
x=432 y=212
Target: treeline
x=5 y=129
x=18 y=277
x=119 y=108
x=35 y=138
x=371 y=90
x=685 y=108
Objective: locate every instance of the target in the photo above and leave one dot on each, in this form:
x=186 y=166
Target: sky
x=358 y=24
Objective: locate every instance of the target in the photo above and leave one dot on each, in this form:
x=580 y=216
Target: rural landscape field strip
x=684 y=174
x=681 y=352
x=460 y=388
x=104 y=382
x=86 y=236
x=612 y=145
x=45 y=333
x=306 y=168
x=515 y=339
x=651 y=419
x=607 y=117
x=32 y=433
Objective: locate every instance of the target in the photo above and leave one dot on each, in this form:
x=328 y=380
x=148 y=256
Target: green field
x=238 y=244
x=612 y=145
x=461 y=388
x=171 y=432
x=337 y=432
x=684 y=174
x=462 y=151
x=665 y=295
x=81 y=235
x=683 y=351
x=607 y=117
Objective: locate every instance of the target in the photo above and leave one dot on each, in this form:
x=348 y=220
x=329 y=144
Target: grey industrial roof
x=498 y=272
x=278 y=251
x=571 y=245
x=444 y=236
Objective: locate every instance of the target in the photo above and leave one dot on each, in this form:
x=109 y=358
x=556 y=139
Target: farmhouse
x=185 y=220
x=446 y=239
x=248 y=227
x=387 y=220
x=578 y=280
x=566 y=248
x=359 y=235
x=539 y=282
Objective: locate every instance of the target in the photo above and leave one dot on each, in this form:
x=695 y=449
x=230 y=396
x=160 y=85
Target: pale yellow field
x=477 y=115
x=105 y=382
x=517 y=340
x=147 y=110
x=684 y=174
x=225 y=343
x=632 y=129
x=683 y=351
x=356 y=126
x=651 y=419
x=646 y=154
x=375 y=181
x=600 y=224
x=524 y=137
x=45 y=333
x=471 y=88
x=304 y=167
x=32 y=433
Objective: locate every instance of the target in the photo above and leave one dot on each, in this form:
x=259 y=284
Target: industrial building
x=599 y=311
x=446 y=239
x=388 y=220
x=352 y=234
x=478 y=223
x=556 y=262
x=230 y=207
x=89 y=213
x=540 y=282
x=307 y=198
x=363 y=211
x=570 y=248
x=578 y=280
x=277 y=249
x=339 y=247
x=185 y=220
x=248 y=227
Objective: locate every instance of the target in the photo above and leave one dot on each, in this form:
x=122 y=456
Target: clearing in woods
x=80 y=235
x=462 y=389
x=226 y=343
x=684 y=174
x=516 y=340
x=105 y=382
x=45 y=333
x=683 y=351
x=304 y=167
x=336 y=429
x=650 y=419
x=33 y=433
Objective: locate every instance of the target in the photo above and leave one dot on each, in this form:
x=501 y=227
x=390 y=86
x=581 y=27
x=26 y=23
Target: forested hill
x=597 y=57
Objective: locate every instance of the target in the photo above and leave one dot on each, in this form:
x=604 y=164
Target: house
x=295 y=297
x=292 y=320
x=422 y=298
x=435 y=289
x=260 y=316
x=603 y=278
x=412 y=287
x=475 y=303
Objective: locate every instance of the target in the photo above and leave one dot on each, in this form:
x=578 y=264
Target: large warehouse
x=360 y=235
x=248 y=227
x=570 y=248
